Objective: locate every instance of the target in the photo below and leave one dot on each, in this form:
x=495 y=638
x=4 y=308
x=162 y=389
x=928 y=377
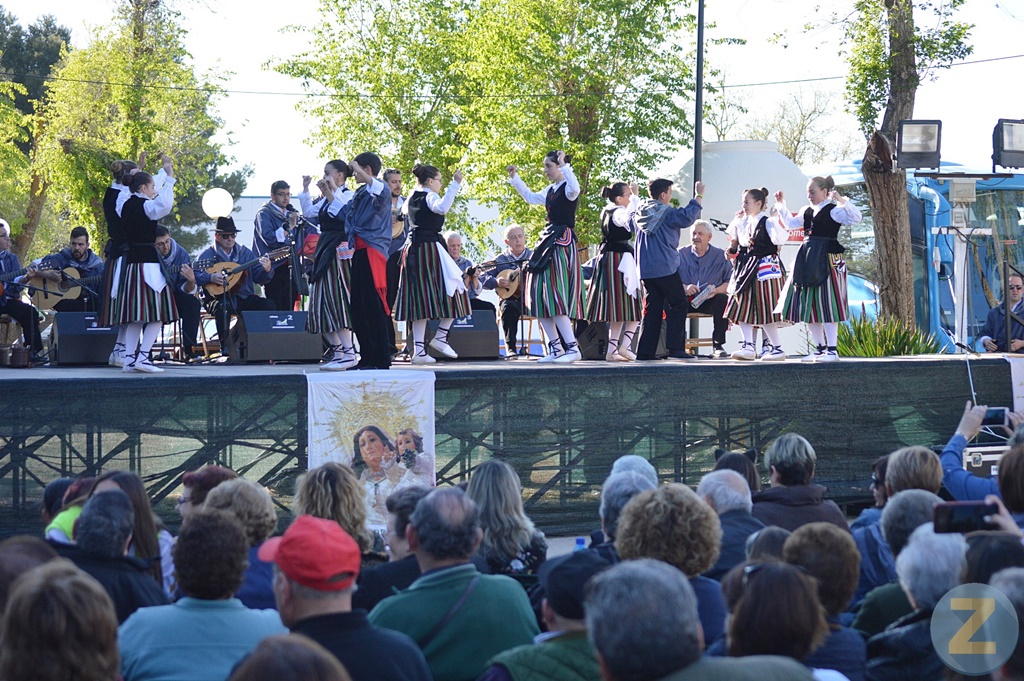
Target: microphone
x=290 y=208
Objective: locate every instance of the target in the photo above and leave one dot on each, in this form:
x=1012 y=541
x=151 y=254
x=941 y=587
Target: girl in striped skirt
x=614 y=294
x=816 y=291
x=431 y=285
x=329 y=280
x=143 y=301
x=757 y=275
x=554 y=292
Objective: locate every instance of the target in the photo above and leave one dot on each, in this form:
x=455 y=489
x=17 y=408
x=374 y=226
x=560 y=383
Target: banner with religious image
x=379 y=423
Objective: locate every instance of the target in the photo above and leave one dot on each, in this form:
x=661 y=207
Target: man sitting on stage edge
x=183 y=281
x=10 y=299
x=79 y=256
x=244 y=299
x=992 y=336
x=702 y=265
x=511 y=308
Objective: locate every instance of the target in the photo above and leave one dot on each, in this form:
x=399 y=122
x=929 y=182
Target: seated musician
x=88 y=269
x=472 y=280
x=182 y=280
x=992 y=336
x=702 y=265
x=10 y=299
x=225 y=249
x=512 y=307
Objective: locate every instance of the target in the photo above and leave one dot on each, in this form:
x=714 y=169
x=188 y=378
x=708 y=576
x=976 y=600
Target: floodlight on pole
x=918 y=144
x=1008 y=144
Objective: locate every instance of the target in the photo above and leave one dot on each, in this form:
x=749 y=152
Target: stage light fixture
x=918 y=144
x=1008 y=144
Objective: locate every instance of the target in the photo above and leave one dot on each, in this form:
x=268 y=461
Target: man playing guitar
x=235 y=300
x=10 y=297
x=511 y=307
x=88 y=267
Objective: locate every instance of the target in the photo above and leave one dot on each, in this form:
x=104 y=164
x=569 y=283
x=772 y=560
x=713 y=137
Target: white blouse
x=572 y=187
x=742 y=229
x=844 y=214
x=434 y=200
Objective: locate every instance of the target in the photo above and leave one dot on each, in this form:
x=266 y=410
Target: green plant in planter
x=863 y=337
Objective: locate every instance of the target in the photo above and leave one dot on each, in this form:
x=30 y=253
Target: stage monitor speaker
x=78 y=338
x=593 y=340
x=473 y=337
x=275 y=336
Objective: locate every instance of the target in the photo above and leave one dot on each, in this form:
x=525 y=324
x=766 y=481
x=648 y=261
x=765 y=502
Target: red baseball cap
x=316 y=553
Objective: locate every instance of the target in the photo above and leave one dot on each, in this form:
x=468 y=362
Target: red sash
x=379 y=269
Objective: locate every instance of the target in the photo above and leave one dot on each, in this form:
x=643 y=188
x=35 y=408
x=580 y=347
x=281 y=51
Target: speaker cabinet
x=78 y=338
x=275 y=336
x=473 y=337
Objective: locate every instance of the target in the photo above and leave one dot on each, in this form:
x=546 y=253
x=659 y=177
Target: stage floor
x=559 y=426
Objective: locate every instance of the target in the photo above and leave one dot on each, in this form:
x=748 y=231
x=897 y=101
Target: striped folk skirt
x=607 y=299
x=106 y=298
x=820 y=304
x=421 y=290
x=329 y=299
x=556 y=290
x=756 y=304
x=136 y=301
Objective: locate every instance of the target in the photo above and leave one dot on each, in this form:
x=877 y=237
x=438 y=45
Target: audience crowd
x=731 y=581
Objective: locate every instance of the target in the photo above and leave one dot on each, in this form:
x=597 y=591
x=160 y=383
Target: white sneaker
x=570 y=356
x=554 y=352
x=829 y=356
x=339 y=364
x=146 y=366
x=116 y=358
x=816 y=355
x=777 y=354
x=616 y=357
x=745 y=353
x=444 y=348
x=423 y=359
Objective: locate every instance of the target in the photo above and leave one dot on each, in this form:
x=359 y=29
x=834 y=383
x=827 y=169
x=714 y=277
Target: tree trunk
x=887 y=196
x=36 y=201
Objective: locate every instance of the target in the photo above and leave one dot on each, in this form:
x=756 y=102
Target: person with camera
x=961 y=483
x=431 y=285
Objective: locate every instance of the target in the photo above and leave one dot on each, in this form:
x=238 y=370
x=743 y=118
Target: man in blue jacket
x=992 y=336
x=178 y=268
x=657 y=226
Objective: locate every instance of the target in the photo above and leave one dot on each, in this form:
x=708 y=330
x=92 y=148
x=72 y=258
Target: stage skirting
x=560 y=427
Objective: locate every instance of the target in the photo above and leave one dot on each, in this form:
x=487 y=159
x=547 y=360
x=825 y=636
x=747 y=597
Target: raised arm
x=524 y=191
x=443 y=205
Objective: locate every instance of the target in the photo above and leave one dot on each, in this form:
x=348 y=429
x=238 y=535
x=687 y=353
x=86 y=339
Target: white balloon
x=217 y=203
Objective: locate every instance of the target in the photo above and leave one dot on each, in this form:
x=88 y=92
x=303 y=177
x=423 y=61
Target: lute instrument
x=236 y=273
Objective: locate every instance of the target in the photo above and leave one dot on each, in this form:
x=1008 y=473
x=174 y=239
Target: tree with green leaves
x=889 y=53
x=130 y=90
x=481 y=84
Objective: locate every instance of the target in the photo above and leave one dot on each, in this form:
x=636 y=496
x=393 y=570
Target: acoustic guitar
x=49 y=293
x=7 y=277
x=236 y=273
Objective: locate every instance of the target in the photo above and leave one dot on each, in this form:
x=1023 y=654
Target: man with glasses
x=992 y=336
x=275 y=223
x=225 y=249
x=512 y=307
x=10 y=299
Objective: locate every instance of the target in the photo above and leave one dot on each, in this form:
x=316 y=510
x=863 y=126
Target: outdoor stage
x=559 y=426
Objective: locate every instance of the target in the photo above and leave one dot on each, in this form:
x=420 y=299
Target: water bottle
x=581 y=545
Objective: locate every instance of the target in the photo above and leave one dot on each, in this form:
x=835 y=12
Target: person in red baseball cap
x=316 y=564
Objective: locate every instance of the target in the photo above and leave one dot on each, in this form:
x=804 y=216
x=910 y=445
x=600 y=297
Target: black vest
x=822 y=226
x=328 y=222
x=425 y=224
x=115 y=230
x=614 y=239
x=139 y=231
x=560 y=210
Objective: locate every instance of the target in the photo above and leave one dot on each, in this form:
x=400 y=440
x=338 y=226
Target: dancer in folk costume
x=816 y=291
x=757 y=275
x=143 y=300
x=329 y=281
x=554 y=291
x=614 y=293
x=431 y=285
